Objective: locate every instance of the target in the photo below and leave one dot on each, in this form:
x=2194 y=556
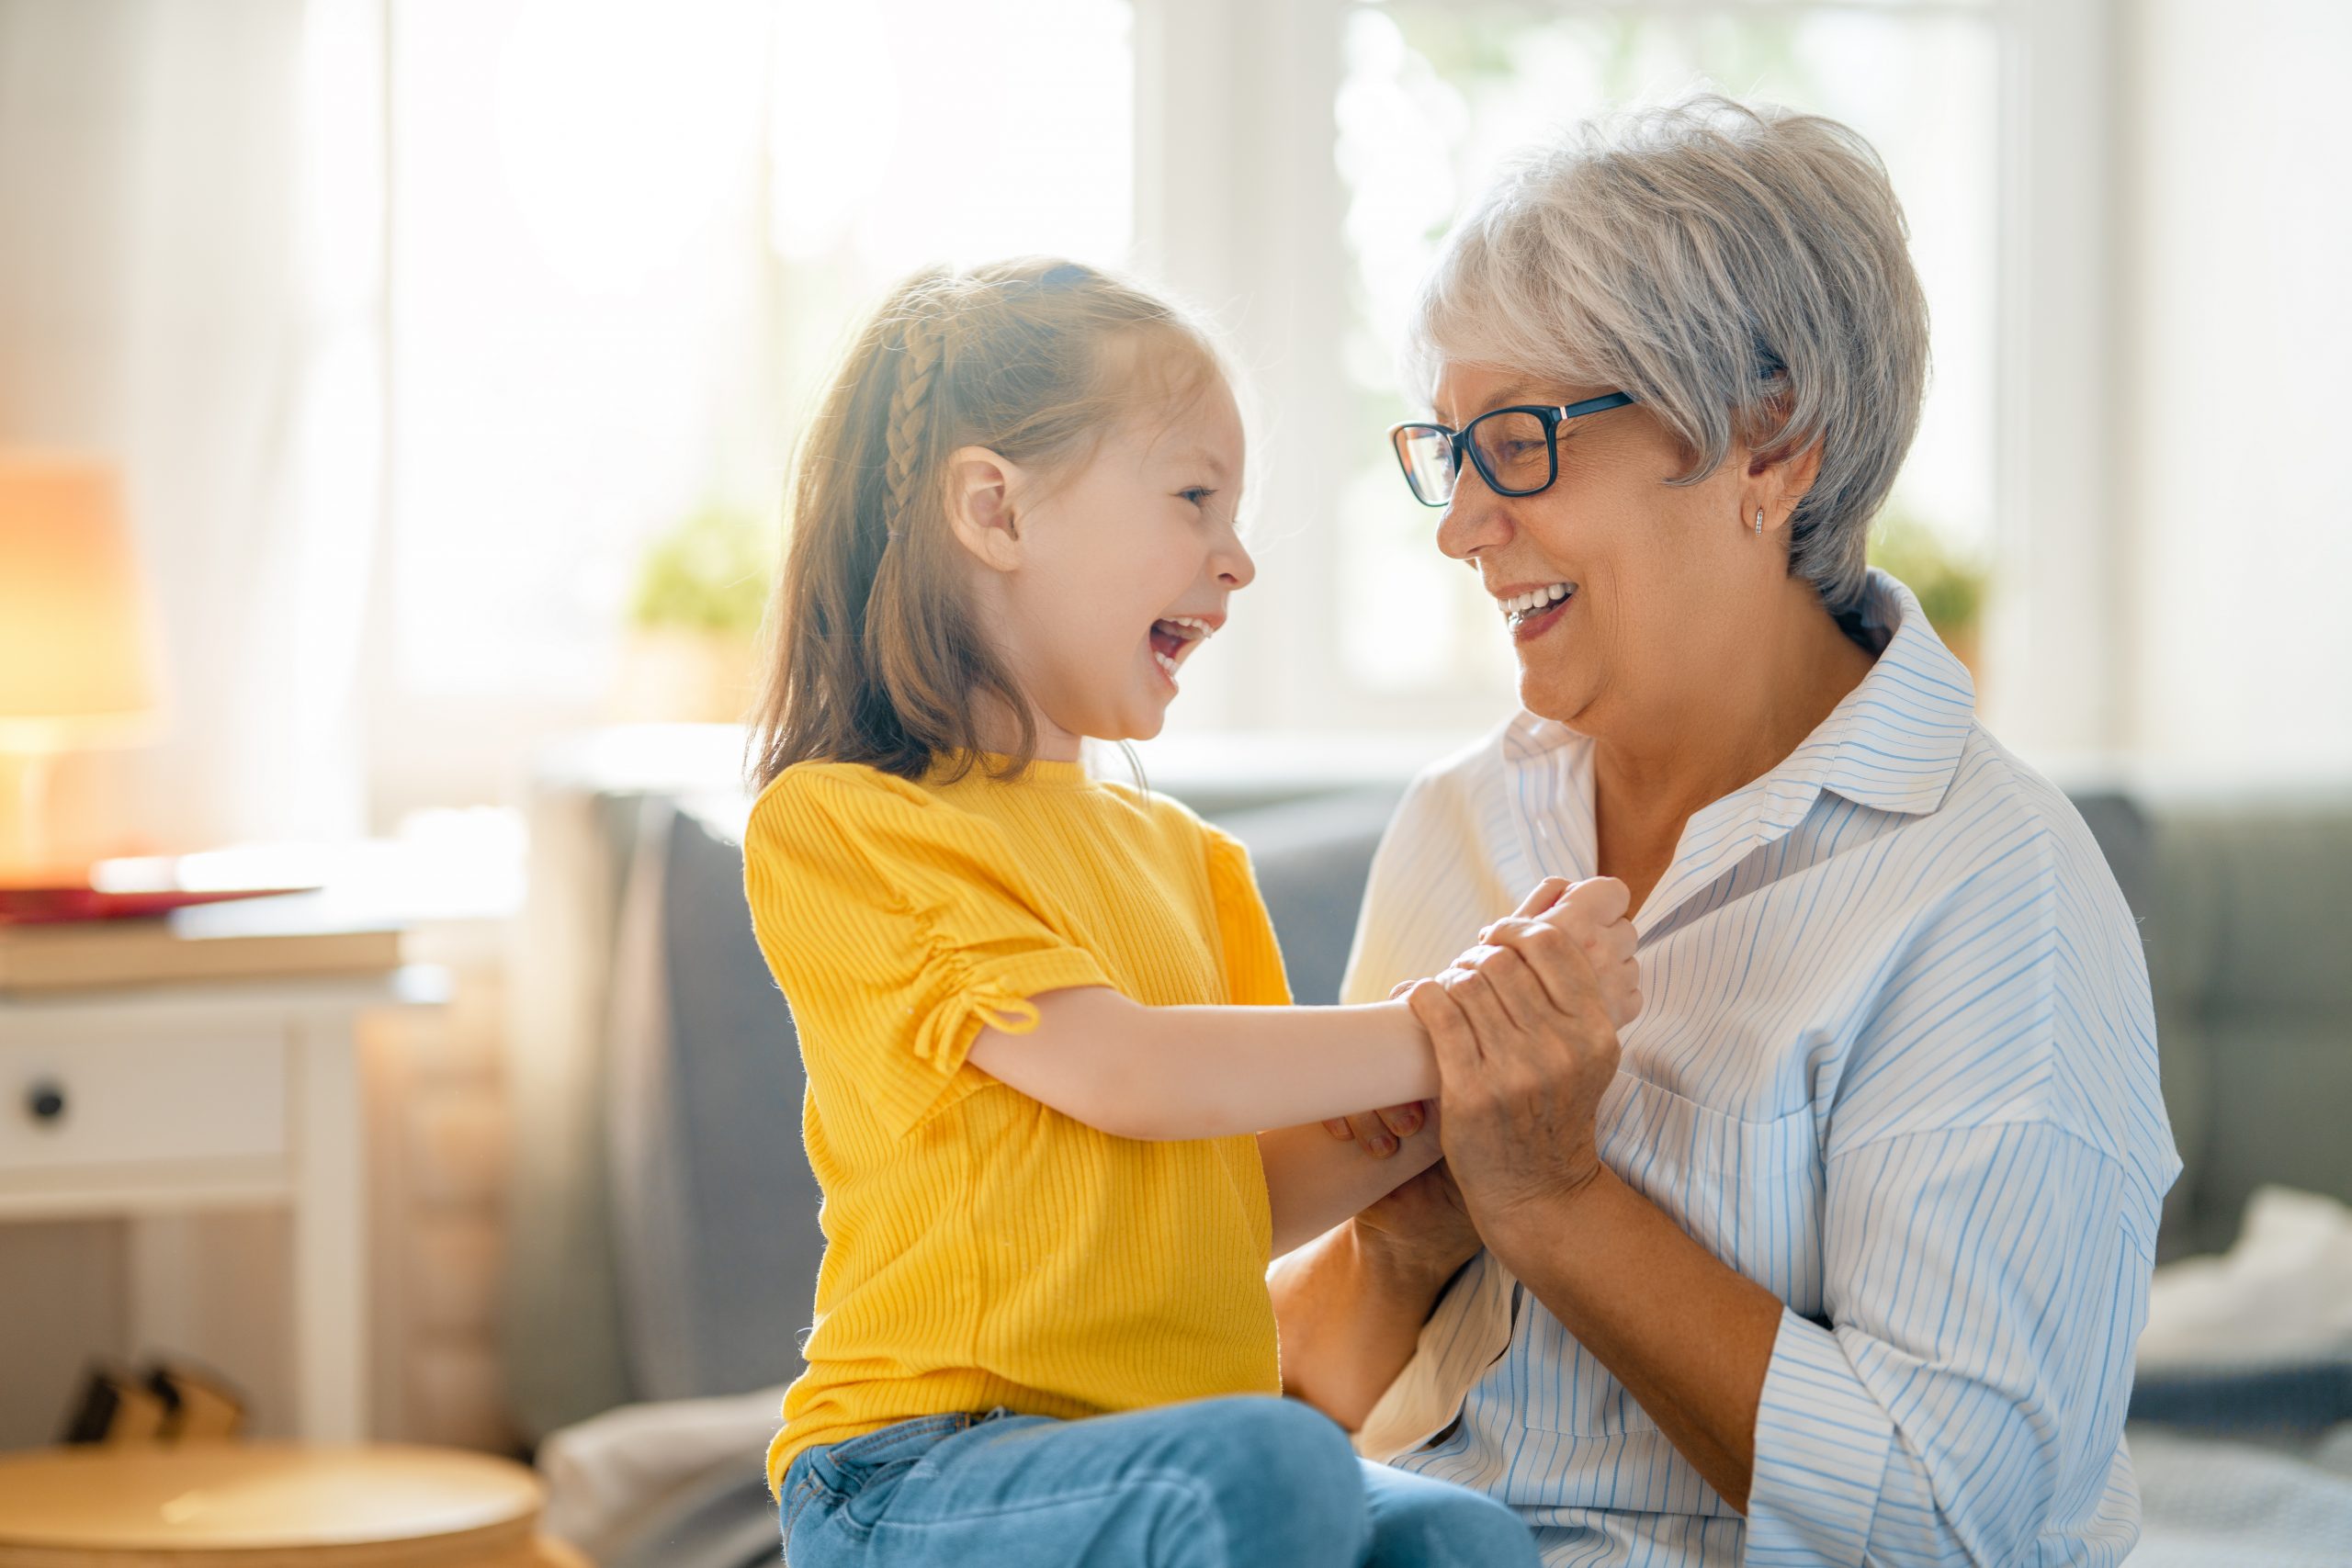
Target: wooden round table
x=271 y=1506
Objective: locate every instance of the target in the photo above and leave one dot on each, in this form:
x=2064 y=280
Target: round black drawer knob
x=45 y=1101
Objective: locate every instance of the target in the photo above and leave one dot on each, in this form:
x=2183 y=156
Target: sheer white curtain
x=189 y=286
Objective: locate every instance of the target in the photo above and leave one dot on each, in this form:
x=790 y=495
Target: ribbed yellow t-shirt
x=980 y=1249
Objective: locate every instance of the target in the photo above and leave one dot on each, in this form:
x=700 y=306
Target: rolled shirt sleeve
x=1941 y=1425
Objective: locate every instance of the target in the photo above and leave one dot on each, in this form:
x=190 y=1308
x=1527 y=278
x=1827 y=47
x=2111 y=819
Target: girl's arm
x=1316 y=1181
x=1212 y=1072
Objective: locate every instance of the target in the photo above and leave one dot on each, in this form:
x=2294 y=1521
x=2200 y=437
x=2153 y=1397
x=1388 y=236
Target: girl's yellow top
x=983 y=1249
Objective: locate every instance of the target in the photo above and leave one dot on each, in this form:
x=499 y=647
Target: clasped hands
x=1524 y=1027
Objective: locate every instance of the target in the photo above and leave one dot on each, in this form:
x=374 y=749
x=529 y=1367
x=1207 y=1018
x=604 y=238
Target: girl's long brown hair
x=873 y=655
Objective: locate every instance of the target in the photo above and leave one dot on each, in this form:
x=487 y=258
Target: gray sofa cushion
x=2252 y=969
x=1312 y=859
x=715 y=1209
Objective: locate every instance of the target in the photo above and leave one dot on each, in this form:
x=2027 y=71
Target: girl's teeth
x=1165 y=663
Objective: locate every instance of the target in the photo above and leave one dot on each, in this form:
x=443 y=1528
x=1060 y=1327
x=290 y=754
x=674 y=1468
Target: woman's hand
x=1421 y=1229
x=1525 y=1033
x=1380 y=1132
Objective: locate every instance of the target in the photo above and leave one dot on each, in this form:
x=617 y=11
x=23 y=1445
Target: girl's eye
x=1198 y=495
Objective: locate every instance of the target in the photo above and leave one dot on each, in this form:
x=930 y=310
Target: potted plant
x=1951 y=584
x=693 y=620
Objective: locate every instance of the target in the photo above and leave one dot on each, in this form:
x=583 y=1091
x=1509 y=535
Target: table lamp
x=77 y=667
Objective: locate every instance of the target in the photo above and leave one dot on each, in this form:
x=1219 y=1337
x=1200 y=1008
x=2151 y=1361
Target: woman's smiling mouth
x=1532 y=612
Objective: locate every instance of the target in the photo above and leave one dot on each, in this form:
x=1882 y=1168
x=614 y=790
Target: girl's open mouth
x=1172 y=640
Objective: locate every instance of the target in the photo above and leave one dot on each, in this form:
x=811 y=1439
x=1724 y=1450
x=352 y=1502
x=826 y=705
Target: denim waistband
x=840 y=1466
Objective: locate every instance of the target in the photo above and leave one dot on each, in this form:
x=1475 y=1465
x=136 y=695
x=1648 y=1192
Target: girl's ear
x=979 y=506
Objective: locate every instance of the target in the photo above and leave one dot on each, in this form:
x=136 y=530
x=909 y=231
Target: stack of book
x=67 y=939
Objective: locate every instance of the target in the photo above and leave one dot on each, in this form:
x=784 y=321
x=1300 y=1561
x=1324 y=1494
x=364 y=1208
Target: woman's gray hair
x=1742 y=271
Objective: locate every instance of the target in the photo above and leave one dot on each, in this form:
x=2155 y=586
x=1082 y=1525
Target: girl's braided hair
x=872 y=654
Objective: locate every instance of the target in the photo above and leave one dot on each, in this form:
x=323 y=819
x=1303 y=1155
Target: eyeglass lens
x=1427 y=453
x=1510 y=448
x=1513 y=451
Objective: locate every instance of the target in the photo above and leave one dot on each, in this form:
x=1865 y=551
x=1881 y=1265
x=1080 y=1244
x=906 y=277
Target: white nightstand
x=230 y=1094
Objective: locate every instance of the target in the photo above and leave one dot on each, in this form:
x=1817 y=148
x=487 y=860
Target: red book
x=53 y=906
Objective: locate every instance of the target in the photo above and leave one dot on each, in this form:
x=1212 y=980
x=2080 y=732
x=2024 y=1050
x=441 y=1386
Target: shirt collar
x=1894 y=742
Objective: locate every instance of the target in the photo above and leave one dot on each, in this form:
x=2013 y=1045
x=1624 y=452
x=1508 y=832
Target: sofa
x=665 y=1219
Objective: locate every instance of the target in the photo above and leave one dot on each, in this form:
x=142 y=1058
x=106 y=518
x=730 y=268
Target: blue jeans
x=1246 y=1482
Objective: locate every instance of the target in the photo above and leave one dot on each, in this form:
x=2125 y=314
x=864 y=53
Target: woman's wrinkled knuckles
x=1410 y=994
x=1461 y=980
x=1532 y=938
x=1499 y=961
x=1545 y=944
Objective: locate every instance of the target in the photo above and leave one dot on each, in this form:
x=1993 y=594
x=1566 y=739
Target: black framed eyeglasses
x=1517 y=449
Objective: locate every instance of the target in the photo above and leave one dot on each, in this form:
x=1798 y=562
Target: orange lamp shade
x=78 y=664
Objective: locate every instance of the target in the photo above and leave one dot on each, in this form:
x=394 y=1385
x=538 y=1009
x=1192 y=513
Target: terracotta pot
x=678 y=675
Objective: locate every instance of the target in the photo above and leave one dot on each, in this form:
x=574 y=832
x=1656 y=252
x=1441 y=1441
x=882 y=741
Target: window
x=626 y=239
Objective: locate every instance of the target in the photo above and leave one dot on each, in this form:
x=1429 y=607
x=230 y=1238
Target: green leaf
x=1951 y=585
x=711 y=573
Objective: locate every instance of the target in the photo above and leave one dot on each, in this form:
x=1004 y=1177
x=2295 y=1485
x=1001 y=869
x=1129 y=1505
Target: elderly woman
x=1839 y=1251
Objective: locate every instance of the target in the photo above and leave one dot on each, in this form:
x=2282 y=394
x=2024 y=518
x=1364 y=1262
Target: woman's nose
x=1473 y=520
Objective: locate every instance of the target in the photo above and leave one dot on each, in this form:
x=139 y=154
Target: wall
x=2234 y=243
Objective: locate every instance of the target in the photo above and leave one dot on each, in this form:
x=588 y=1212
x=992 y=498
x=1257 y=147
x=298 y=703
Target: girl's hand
x=1594 y=913
x=1381 y=1131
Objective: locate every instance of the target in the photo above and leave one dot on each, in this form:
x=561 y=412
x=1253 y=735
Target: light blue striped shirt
x=1897 y=1063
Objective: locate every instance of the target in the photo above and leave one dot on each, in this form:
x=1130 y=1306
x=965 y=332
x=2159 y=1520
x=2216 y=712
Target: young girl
x=1045 y=1018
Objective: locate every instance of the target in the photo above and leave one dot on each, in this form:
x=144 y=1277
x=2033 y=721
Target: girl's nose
x=1233 y=566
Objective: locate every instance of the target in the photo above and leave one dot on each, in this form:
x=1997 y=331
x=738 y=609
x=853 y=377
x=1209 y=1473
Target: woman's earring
x=1759 y=522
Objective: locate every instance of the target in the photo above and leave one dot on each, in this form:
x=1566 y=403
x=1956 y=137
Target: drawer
x=130 y=1100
